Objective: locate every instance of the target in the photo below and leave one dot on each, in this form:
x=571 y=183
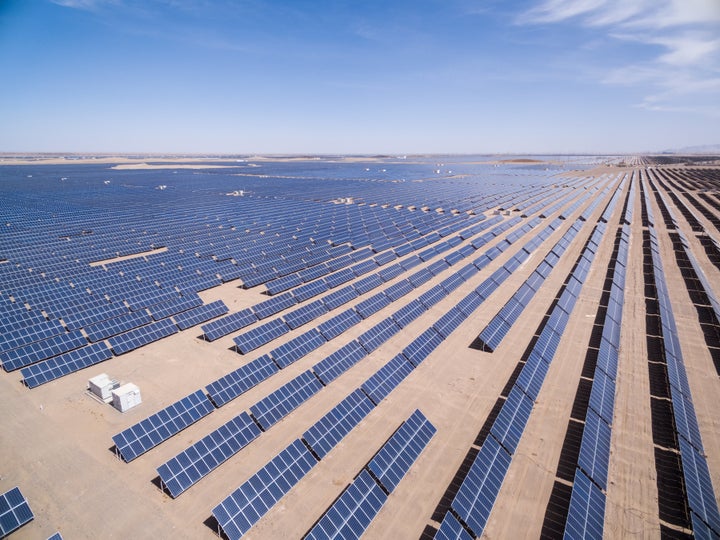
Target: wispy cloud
x=681 y=39
x=90 y=5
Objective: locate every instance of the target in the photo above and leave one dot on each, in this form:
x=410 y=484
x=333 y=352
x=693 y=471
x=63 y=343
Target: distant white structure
x=126 y=397
x=102 y=386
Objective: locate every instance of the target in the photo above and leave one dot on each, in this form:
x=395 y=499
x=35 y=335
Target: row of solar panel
x=183 y=471
x=498 y=327
x=237 y=321
x=476 y=496
x=587 y=498
x=700 y=493
x=352 y=512
x=75 y=354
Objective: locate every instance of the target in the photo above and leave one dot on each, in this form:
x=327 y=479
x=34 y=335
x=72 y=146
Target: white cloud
x=682 y=43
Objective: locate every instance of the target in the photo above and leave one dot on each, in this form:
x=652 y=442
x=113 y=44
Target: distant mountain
x=704 y=149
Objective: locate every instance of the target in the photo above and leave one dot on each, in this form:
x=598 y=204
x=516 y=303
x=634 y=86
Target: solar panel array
x=148 y=433
x=14 y=511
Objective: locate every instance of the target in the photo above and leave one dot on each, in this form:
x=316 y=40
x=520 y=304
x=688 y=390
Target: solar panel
x=275 y=305
x=14 y=511
x=341 y=296
x=602 y=396
x=420 y=277
x=451 y=529
x=40 y=350
x=378 y=334
x=296 y=348
x=686 y=420
x=153 y=430
x=433 y=296
x=241 y=380
x=166 y=309
x=261 y=335
x=309 y=290
x=134 y=339
x=352 y=512
x=197 y=461
x=195 y=316
x=339 y=362
x=372 y=305
x=336 y=424
x=394 y=459
x=510 y=423
x=408 y=313
x=305 y=314
x=449 y=322
x=339 y=277
x=29 y=334
x=391 y=272
x=384 y=381
x=64 y=364
x=228 y=324
x=339 y=323
x=238 y=512
x=118 y=325
x=476 y=496
x=56 y=536
x=274 y=407
x=421 y=347
x=595 y=449
x=586 y=515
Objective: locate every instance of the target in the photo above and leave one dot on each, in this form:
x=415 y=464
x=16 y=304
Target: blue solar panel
x=339 y=323
x=339 y=362
x=586 y=515
x=275 y=305
x=341 y=296
x=238 y=512
x=397 y=455
x=67 y=363
x=195 y=316
x=241 y=380
x=340 y=277
x=602 y=396
x=372 y=305
x=391 y=272
x=161 y=311
x=296 y=348
x=305 y=314
x=142 y=336
x=510 y=422
x=420 y=277
x=451 y=529
x=118 y=325
x=273 y=408
x=336 y=424
x=40 y=350
x=352 y=512
x=477 y=494
x=14 y=511
x=449 y=322
x=698 y=483
x=433 y=296
x=408 y=313
x=378 y=334
x=197 y=461
x=595 y=449
x=261 y=335
x=29 y=334
x=227 y=325
x=309 y=290
x=155 y=429
x=384 y=381
x=686 y=420
x=399 y=289
x=421 y=347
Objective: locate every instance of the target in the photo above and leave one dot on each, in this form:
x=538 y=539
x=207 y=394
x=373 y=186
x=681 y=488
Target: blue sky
x=457 y=76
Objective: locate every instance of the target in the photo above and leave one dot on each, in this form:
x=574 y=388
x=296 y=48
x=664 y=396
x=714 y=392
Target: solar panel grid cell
x=14 y=511
x=273 y=408
x=339 y=362
x=387 y=378
x=241 y=380
x=64 y=364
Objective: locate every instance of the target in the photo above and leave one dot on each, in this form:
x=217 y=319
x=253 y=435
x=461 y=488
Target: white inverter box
x=126 y=397
x=102 y=386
